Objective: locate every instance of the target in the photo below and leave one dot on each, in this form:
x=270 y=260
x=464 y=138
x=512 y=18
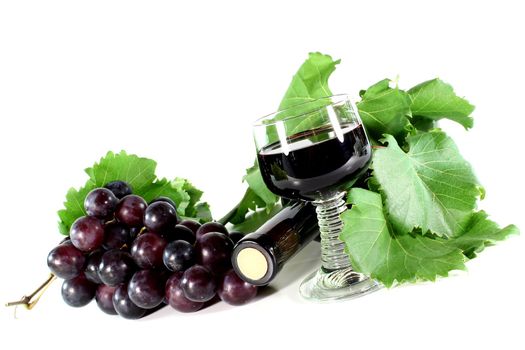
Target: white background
x=181 y=82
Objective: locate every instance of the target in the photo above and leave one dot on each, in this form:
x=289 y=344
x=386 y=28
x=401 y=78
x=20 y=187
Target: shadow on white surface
x=305 y=262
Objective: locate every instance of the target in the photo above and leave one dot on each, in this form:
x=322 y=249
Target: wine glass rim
x=334 y=99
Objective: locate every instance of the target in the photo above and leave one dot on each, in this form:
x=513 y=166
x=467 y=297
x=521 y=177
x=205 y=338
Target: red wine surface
x=317 y=163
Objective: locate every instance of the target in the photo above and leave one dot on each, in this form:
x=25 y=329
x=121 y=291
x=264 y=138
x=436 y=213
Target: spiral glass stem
x=335 y=279
x=333 y=254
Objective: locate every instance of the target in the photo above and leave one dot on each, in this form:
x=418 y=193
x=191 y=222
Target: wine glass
x=314 y=152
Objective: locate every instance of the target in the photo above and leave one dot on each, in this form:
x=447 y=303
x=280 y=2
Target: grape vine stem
x=29 y=301
x=226 y=218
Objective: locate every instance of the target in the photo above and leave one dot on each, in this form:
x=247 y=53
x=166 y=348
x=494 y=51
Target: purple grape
x=233 y=290
x=178 y=255
x=166 y=200
x=179 y=232
x=78 y=291
x=210 y=227
x=198 y=284
x=124 y=306
x=175 y=296
x=146 y=289
x=101 y=203
x=91 y=269
x=213 y=251
x=119 y=188
x=116 y=235
x=104 y=298
x=65 y=261
x=116 y=267
x=87 y=233
x=192 y=225
x=160 y=216
x=130 y=210
x=175 y=278
x=147 y=250
x=236 y=236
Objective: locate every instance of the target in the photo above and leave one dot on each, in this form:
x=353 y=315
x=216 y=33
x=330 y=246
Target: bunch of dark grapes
x=132 y=257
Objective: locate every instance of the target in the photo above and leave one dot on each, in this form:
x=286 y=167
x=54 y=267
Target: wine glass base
x=337 y=285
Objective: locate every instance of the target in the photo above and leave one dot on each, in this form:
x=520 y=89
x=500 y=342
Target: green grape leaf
x=431 y=187
x=479 y=233
x=257 y=195
x=194 y=195
x=73 y=207
x=249 y=202
x=255 y=181
x=311 y=80
x=436 y=99
x=385 y=110
x=140 y=174
x=256 y=219
x=203 y=212
x=164 y=188
x=423 y=123
x=194 y=208
x=309 y=84
x=136 y=171
x=375 y=249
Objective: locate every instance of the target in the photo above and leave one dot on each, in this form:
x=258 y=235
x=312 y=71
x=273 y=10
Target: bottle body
x=259 y=256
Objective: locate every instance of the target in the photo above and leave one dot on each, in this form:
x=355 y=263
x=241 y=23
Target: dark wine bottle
x=259 y=256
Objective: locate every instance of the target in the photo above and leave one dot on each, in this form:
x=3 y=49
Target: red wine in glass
x=315 y=163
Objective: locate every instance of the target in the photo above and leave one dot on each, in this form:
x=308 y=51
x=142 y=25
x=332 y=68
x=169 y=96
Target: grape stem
x=29 y=301
x=226 y=218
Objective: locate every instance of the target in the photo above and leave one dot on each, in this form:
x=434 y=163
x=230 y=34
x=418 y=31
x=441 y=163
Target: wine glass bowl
x=314 y=152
